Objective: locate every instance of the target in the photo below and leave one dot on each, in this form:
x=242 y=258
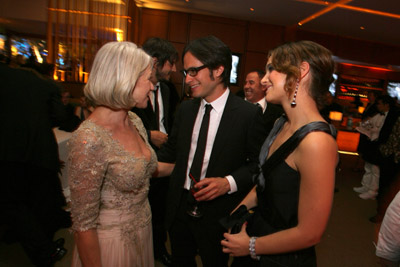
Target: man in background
x=329 y=105
x=157 y=119
x=387 y=151
x=254 y=92
x=31 y=198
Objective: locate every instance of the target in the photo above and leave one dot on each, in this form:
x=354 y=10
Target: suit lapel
x=224 y=129
x=190 y=115
x=165 y=99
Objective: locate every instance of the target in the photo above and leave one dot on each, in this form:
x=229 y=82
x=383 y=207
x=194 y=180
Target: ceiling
x=380 y=19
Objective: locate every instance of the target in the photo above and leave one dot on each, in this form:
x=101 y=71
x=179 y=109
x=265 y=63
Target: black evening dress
x=278 y=200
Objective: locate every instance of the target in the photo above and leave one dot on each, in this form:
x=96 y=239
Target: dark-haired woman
x=293 y=198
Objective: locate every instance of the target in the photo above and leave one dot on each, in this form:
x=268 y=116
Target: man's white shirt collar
x=218 y=104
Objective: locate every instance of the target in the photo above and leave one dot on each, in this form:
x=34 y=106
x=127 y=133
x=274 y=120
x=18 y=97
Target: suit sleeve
x=168 y=152
x=256 y=134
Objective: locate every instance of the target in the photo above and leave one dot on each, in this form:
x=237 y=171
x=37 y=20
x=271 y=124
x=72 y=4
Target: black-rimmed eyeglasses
x=193 y=71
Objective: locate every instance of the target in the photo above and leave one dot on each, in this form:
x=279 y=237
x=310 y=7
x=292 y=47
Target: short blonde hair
x=115 y=71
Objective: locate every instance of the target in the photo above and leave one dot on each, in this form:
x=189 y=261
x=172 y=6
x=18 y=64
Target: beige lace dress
x=109 y=187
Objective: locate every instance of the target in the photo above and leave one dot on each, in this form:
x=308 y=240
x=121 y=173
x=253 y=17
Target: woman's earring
x=293 y=104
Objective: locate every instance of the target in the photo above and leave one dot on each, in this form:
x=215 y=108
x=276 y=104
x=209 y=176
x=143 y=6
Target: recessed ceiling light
x=362 y=28
x=251 y=9
x=187 y=1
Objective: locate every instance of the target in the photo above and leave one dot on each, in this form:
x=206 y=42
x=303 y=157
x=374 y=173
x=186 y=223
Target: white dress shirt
x=217 y=110
x=160 y=107
x=262 y=103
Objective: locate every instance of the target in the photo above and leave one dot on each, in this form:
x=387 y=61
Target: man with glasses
x=222 y=174
x=157 y=118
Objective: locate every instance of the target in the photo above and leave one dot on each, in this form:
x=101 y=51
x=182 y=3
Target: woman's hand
x=237 y=244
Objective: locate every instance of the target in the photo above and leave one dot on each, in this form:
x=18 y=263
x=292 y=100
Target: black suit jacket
x=148 y=117
x=387 y=126
x=29 y=107
x=368 y=149
x=235 y=152
x=271 y=114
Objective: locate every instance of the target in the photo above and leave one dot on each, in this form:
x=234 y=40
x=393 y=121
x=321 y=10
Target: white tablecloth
x=62 y=139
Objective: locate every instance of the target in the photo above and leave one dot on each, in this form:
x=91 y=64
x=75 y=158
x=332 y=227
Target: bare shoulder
x=316 y=158
x=317 y=147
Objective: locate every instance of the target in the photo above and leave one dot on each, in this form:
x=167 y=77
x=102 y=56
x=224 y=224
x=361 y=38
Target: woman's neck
x=110 y=118
x=304 y=112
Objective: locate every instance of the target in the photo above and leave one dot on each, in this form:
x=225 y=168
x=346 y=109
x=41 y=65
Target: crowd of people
x=222 y=175
x=214 y=167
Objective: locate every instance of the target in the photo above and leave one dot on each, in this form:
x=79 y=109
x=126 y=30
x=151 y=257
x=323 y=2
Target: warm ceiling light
x=324 y=11
x=251 y=9
x=368 y=67
x=299 y=23
x=187 y=1
x=362 y=28
x=354 y=8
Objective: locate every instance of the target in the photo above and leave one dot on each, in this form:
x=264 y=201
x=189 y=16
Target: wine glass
x=193 y=209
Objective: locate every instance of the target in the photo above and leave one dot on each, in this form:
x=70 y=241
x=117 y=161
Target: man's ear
x=304 y=69
x=155 y=62
x=218 y=71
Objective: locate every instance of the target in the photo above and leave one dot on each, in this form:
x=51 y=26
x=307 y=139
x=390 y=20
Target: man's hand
x=158 y=138
x=210 y=188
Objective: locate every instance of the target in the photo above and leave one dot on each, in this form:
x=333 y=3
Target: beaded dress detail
x=109 y=187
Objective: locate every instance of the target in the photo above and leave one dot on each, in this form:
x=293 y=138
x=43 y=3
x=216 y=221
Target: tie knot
x=208 y=108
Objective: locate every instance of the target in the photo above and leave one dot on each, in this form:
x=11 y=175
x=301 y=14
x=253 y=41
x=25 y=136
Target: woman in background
x=110 y=163
x=294 y=198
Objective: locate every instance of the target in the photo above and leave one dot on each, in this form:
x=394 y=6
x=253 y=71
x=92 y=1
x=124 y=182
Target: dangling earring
x=293 y=104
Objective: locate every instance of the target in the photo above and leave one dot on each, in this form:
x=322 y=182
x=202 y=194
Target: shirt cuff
x=232 y=184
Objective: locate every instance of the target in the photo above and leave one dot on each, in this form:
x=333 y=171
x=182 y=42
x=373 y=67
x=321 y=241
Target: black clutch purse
x=236 y=219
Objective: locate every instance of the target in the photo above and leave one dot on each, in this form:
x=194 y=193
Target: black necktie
x=156 y=107
x=197 y=164
x=258 y=105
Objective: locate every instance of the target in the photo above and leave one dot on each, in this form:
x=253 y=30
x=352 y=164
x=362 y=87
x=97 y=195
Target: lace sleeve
x=86 y=169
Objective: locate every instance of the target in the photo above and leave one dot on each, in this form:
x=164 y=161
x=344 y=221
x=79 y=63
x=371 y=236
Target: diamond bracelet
x=252 y=248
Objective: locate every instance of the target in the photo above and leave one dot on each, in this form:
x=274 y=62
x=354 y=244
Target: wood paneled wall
x=251 y=40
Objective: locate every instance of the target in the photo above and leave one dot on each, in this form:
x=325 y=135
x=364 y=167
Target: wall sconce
x=120 y=34
x=361 y=109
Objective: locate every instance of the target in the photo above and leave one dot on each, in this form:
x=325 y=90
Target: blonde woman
x=110 y=163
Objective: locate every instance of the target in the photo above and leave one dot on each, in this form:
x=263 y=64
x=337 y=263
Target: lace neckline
x=117 y=143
